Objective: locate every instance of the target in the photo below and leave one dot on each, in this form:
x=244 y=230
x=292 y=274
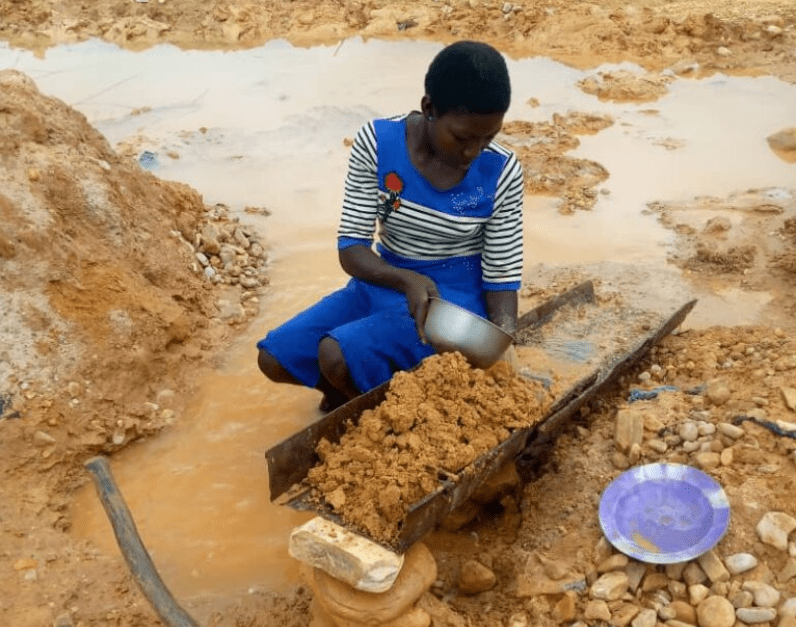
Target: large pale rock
x=713 y=567
x=774 y=527
x=343 y=601
x=697 y=593
x=740 y=563
x=731 y=431
x=346 y=556
x=715 y=611
x=611 y=586
x=765 y=595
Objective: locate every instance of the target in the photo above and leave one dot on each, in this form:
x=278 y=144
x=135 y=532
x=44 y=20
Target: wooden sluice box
x=570 y=333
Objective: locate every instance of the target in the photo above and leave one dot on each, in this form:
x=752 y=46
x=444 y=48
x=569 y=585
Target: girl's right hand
x=419 y=291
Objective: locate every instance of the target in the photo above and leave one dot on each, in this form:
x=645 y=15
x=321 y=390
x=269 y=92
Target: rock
x=697 y=593
x=707 y=460
x=629 y=429
x=678 y=589
x=727 y=456
x=63 y=620
x=555 y=569
x=688 y=431
x=731 y=431
x=706 y=428
x=625 y=614
x=788 y=608
x=518 y=620
x=788 y=571
x=764 y=595
x=654 y=581
x=343 y=601
x=715 y=611
x=693 y=574
x=646 y=618
x=659 y=446
x=611 y=586
x=717 y=393
x=344 y=555
x=597 y=610
x=713 y=566
x=675 y=571
x=475 y=578
x=602 y=550
x=684 y=612
x=789 y=394
x=753 y=615
x=740 y=563
x=43 y=439
x=743 y=598
x=441 y=613
x=616 y=562
x=635 y=572
x=774 y=527
x=566 y=609
x=783 y=140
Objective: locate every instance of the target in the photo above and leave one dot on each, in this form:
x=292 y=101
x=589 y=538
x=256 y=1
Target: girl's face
x=457 y=137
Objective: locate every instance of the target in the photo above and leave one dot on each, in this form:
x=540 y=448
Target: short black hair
x=469 y=76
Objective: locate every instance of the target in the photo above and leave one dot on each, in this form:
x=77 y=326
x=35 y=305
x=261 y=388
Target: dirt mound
x=103 y=271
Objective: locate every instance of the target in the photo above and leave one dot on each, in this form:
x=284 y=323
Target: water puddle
x=267 y=128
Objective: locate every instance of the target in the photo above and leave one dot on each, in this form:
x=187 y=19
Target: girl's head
x=467 y=94
x=468 y=77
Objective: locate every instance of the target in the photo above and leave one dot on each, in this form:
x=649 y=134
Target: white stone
x=765 y=595
x=740 y=563
x=774 y=527
x=346 y=556
x=753 y=615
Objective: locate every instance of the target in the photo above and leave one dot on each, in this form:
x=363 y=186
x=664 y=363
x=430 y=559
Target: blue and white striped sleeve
x=360 y=202
x=502 y=258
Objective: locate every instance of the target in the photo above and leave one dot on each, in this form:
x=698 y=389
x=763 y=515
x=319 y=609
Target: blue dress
x=467 y=239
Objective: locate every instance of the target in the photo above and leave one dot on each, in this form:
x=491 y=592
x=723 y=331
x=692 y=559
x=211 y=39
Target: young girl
x=447 y=201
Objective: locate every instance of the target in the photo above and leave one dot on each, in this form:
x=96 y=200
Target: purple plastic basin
x=664 y=513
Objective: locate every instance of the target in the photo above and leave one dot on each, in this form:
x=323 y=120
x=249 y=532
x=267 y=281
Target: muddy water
x=266 y=128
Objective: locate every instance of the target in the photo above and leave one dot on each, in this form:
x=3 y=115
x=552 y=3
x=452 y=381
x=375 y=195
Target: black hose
x=133 y=550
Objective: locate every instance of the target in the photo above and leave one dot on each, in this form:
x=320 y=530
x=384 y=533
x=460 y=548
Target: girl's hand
x=419 y=290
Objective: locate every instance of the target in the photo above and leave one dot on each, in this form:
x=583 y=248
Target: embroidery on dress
x=391 y=202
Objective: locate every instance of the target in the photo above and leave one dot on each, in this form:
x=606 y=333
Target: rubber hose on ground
x=133 y=550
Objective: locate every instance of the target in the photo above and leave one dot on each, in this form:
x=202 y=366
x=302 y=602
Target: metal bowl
x=451 y=328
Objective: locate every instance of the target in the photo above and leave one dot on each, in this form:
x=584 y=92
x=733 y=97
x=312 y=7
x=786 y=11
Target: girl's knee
x=272 y=369
x=330 y=357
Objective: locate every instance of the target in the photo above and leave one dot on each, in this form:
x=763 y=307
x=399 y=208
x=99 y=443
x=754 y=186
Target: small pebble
x=740 y=563
x=753 y=615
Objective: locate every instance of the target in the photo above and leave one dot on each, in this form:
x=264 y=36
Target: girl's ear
x=426 y=108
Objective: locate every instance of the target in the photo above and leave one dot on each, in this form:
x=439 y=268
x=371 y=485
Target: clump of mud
x=435 y=420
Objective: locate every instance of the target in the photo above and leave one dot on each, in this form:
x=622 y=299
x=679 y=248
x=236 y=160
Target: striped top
x=418 y=223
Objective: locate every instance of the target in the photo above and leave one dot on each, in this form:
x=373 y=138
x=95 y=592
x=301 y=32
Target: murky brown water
x=265 y=128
